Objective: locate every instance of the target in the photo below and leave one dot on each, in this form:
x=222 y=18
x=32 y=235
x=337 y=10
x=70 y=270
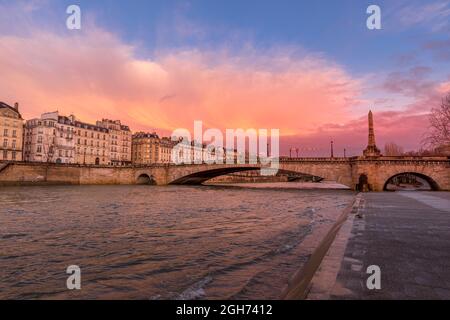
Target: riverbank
x=405 y=234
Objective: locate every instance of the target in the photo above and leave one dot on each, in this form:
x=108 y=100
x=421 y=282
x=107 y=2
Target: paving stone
x=408 y=237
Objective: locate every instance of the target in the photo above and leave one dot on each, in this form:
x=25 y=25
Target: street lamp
x=332 y=151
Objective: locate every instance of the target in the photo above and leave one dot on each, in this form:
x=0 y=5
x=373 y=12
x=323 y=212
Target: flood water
x=148 y=242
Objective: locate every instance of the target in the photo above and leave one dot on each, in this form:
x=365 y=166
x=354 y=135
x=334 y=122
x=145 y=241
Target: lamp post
x=332 y=151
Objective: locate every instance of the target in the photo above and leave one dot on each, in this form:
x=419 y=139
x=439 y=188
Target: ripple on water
x=155 y=242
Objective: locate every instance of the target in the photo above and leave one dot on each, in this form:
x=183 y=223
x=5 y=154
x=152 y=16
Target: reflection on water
x=146 y=242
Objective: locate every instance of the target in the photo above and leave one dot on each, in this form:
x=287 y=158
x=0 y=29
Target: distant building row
x=55 y=138
x=59 y=139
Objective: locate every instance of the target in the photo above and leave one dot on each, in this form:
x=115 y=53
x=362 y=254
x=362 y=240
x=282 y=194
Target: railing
x=289 y=159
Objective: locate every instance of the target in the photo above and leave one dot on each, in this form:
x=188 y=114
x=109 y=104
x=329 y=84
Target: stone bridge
x=372 y=170
x=376 y=172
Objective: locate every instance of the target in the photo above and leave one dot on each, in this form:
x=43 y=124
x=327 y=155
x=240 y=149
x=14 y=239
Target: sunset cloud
x=95 y=75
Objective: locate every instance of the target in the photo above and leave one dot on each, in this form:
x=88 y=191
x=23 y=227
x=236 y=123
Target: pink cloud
x=94 y=75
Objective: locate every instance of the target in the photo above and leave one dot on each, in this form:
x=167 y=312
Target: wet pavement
x=405 y=234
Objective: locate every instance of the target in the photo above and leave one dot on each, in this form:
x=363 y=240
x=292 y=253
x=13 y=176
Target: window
x=39 y=149
x=39 y=139
x=5 y=143
x=5 y=132
x=14 y=144
x=60 y=153
x=5 y=154
x=14 y=133
x=14 y=155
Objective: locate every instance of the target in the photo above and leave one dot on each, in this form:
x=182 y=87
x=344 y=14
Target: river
x=150 y=242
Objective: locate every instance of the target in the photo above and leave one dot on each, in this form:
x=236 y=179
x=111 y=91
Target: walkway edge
x=300 y=284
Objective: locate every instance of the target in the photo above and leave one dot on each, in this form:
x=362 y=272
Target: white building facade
x=49 y=139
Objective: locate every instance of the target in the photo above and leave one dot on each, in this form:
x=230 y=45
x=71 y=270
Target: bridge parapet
x=316 y=159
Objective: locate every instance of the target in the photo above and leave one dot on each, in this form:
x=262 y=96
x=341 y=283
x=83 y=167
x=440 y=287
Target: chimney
x=16 y=106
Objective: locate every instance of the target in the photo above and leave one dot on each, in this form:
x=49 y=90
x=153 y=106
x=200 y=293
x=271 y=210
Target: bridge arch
x=199 y=177
x=196 y=176
x=432 y=183
x=145 y=179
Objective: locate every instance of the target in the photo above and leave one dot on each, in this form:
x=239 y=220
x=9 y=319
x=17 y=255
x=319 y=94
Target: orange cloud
x=95 y=75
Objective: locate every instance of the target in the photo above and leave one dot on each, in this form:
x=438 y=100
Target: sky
x=309 y=68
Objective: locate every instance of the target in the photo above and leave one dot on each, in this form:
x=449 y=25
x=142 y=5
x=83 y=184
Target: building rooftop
x=88 y=126
x=7 y=106
x=145 y=135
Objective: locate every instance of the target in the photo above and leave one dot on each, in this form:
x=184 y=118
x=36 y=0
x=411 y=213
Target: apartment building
x=49 y=138
x=165 y=150
x=145 y=148
x=92 y=143
x=119 y=141
x=11 y=132
x=59 y=139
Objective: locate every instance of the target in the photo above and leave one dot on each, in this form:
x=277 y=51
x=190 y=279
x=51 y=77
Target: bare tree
x=438 y=133
x=393 y=149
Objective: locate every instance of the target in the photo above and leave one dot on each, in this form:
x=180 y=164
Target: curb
x=301 y=283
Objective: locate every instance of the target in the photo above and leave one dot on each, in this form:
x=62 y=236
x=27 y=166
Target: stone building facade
x=49 y=138
x=11 y=132
x=92 y=143
x=145 y=148
x=55 y=138
x=119 y=141
x=165 y=150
